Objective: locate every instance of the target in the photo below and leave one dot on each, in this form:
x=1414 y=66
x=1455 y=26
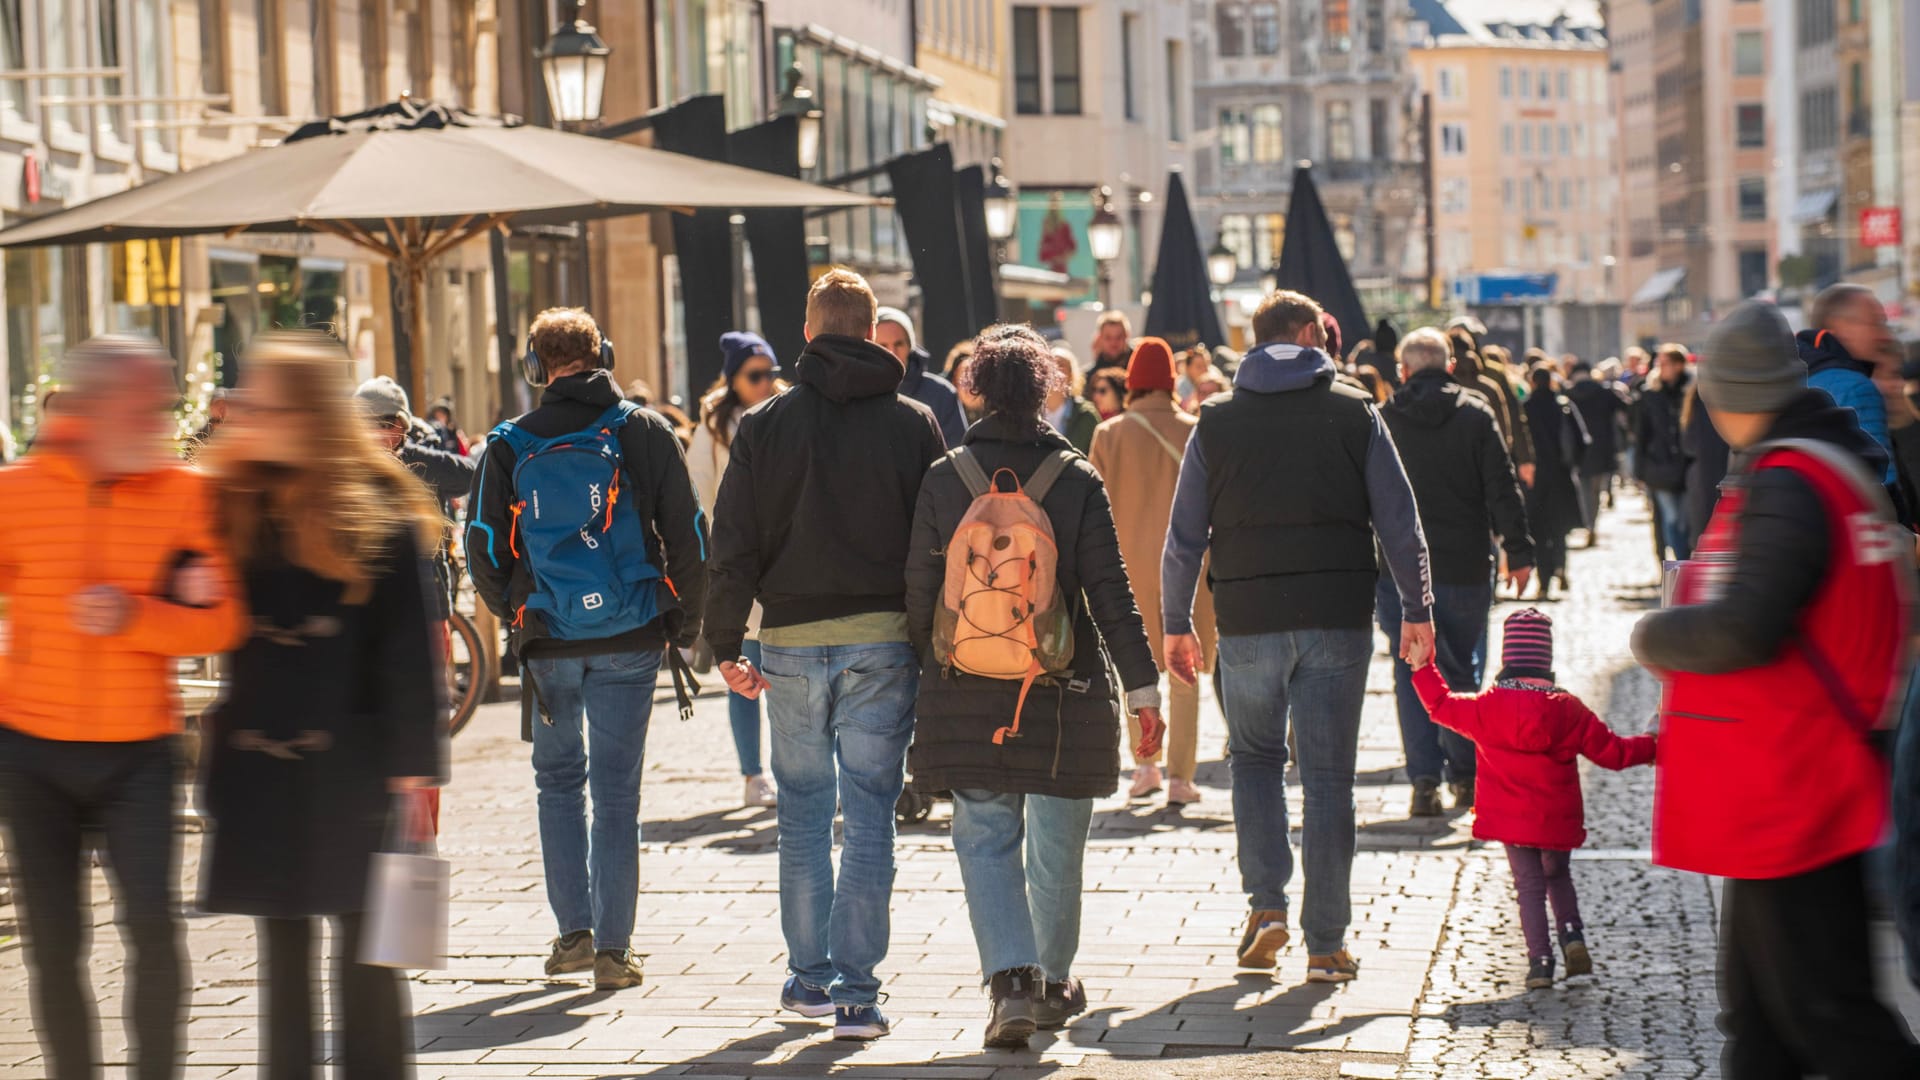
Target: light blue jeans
x=1671 y=507
x=1025 y=910
x=743 y=715
x=841 y=716
x=592 y=884
x=1317 y=679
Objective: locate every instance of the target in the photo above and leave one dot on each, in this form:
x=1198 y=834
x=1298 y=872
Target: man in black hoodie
x=1464 y=484
x=1602 y=407
x=814 y=519
x=608 y=680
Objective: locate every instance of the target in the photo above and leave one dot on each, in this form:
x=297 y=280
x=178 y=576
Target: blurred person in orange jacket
x=101 y=521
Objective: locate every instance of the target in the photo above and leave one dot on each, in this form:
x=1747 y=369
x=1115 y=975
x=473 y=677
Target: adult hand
x=742 y=678
x=198 y=586
x=1526 y=475
x=1153 y=729
x=1519 y=578
x=1416 y=643
x=100 y=611
x=1183 y=658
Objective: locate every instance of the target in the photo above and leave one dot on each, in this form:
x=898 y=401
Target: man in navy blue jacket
x=893 y=331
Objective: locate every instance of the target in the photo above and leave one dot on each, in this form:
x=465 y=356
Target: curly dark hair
x=1013 y=371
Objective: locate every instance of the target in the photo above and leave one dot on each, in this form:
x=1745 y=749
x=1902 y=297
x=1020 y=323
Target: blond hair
x=841 y=302
x=338 y=511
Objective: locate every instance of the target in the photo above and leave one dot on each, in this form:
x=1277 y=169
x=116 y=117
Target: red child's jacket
x=1528 y=746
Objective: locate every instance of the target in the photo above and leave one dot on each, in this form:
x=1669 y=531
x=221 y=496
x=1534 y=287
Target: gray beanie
x=381 y=397
x=899 y=318
x=1751 y=364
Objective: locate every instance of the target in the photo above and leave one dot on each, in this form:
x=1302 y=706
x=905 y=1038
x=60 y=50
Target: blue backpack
x=585 y=544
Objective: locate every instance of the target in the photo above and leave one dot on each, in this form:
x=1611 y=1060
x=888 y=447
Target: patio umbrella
x=1310 y=259
x=411 y=181
x=1182 y=311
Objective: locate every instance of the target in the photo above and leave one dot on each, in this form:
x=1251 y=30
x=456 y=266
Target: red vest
x=1768 y=772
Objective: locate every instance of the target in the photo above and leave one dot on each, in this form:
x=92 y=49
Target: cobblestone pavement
x=1434 y=925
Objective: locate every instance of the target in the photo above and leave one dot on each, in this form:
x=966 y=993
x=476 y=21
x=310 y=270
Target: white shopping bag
x=408 y=889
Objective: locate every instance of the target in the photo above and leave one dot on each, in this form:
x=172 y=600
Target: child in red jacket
x=1530 y=735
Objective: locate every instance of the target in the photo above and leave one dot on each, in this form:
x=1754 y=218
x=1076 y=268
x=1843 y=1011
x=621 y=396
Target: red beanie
x=1151 y=367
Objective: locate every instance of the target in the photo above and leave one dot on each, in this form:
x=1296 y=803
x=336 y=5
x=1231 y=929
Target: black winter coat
x=1708 y=457
x=1559 y=441
x=1069 y=744
x=1463 y=480
x=817 y=501
x=326 y=701
x=1601 y=408
x=1662 y=458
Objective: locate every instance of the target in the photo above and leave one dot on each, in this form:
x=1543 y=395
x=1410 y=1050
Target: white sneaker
x=759 y=792
x=1146 y=781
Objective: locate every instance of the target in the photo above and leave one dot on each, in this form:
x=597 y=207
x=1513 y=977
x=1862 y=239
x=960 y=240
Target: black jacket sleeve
x=1103 y=578
x=733 y=571
x=403 y=655
x=1780 y=563
x=926 y=572
x=490 y=558
x=654 y=456
x=1501 y=489
x=449 y=475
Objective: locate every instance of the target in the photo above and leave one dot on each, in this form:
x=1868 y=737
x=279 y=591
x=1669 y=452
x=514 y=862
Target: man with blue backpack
x=584 y=535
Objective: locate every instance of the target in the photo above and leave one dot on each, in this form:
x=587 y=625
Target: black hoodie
x=656 y=467
x=816 y=506
x=1781 y=560
x=1463 y=480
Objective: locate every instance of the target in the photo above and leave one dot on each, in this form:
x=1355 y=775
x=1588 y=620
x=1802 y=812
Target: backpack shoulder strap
x=1049 y=471
x=971 y=474
x=1165 y=443
x=515 y=436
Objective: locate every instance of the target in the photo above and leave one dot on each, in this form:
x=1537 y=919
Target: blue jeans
x=1672 y=509
x=1025 y=911
x=841 y=716
x=1318 y=678
x=592 y=885
x=1459 y=624
x=743 y=714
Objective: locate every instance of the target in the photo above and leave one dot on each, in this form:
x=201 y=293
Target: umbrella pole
x=417 y=332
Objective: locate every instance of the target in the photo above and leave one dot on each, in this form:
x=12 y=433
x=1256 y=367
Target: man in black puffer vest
x=1289 y=481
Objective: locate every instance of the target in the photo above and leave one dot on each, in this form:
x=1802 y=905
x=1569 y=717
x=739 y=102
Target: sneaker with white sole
x=1266 y=935
x=759 y=793
x=859 y=1023
x=808 y=1001
x=1333 y=968
x=1146 y=781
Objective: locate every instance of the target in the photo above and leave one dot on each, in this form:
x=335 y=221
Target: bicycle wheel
x=469 y=663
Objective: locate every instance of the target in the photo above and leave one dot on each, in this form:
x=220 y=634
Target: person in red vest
x=1785 y=652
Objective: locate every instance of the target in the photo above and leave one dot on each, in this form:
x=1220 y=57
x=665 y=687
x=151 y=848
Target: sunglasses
x=758 y=376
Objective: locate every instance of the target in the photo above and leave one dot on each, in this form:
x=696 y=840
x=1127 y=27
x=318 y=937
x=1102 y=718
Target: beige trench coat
x=1141 y=476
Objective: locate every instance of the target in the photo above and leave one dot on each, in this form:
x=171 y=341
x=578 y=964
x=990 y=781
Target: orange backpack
x=1001 y=614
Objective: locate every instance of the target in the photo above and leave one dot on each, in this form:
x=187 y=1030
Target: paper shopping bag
x=408 y=889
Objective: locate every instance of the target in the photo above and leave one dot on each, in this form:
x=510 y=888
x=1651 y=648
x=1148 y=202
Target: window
x=1526 y=85
x=320 y=33
x=1453 y=140
x=1751 y=122
x=1236 y=232
x=1128 y=24
x=1819 y=118
x=1236 y=137
x=1545 y=140
x=1526 y=196
x=1063 y=25
x=1269 y=235
x=1816 y=22
x=1753 y=271
x=1454 y=195
x=373 y=53
x=1376 y=26
x=1506 y=82
x=273 y=68
x=1566 y=141
x=1506 y=192
x=1526 y=138
x=464 y=30
x=1560 y=85
x=1566 y=194
x=1506 y=138
x=106 y=40
x=1176 y=128
x=1269 y=134
x=1266 y=28
x=1336 y=18
x=1340 y=130
x=419 y=50
x=1229 y=29
x=152 y=68
x=1753 y=198
x=1026 y=61
x=1450 y=85
x=1546 y=84
x=1750 y=53
x=1379 y=130
x=213 y=47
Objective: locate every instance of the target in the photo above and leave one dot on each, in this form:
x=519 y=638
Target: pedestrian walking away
x=333 y=706
x=1025 y=760
x=813 y=521
x=1660 y=456
x=1465 y=487
x=894 y=333
x=1288 y=482
x=1603 y=410
x=589 y=622
x=88 y=717
x=1785 y=652
x=1553 y=502
x=749 y=375
x=1070 y=413
x=1138 y=454
x=1529 y=736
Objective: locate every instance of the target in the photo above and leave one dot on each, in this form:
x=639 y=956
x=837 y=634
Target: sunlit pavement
x=1443 y=963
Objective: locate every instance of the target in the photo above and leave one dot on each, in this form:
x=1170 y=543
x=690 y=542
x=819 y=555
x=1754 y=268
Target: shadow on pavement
x=487 y=1024
x=742 y=830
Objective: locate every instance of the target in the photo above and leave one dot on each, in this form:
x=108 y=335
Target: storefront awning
x=1814 y=206
x=1658 y=287
x=1039 y=286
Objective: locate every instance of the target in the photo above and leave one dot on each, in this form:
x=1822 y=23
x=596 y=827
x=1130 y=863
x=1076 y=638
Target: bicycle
x=471 y=660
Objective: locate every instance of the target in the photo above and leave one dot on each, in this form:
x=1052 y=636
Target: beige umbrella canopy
x=410 y=181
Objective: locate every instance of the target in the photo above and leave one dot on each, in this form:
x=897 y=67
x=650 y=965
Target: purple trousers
x=1540 y=875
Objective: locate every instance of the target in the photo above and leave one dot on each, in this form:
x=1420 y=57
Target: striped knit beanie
x=1527 y=650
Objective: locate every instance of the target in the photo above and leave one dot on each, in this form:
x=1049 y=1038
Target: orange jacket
x=61 y=532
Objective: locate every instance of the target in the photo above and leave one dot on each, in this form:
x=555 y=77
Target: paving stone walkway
x=1434 y=926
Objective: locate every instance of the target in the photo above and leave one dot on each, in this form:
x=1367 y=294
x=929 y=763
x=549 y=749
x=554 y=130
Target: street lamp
x=574 y=64
x=1001 y=205
x=1104 y=237
x=1222 y=264
x=796 y=100
x=1270 y=281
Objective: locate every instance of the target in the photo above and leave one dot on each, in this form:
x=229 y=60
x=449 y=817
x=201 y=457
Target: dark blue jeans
x=592 y=884
x=1459 y=625
x=51 y=794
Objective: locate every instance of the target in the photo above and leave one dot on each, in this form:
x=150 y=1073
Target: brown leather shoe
x=1266 y=935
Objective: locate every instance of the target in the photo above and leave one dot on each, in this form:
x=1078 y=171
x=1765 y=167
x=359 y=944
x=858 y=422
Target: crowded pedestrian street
x=1434 y=925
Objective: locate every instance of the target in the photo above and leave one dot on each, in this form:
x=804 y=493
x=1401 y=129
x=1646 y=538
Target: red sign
x=1879 y=226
